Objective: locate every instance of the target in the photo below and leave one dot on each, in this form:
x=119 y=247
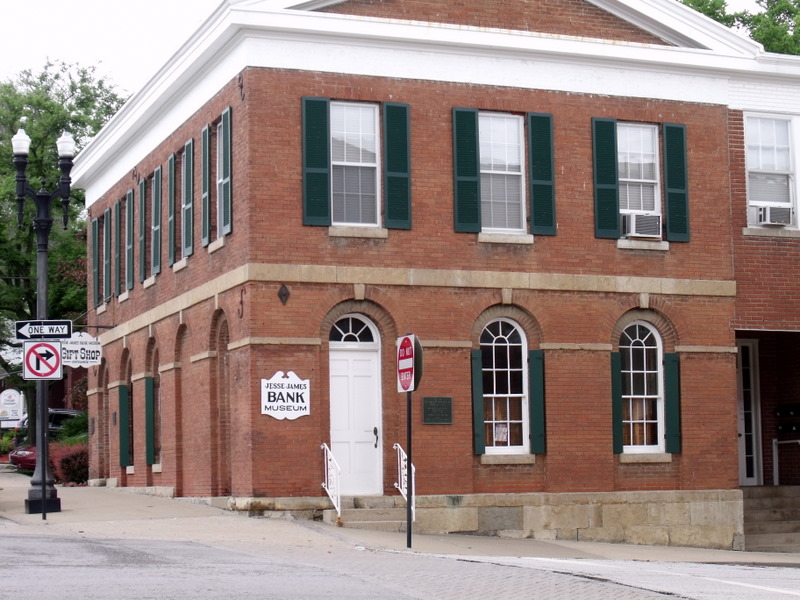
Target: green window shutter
x=542 y=186
x=149 y=419
x=536 y=401
x=124 y=426
x=117 y=248
x=171 y=198
x=107 y=254
x=676 y=182
x=225 y=198
x=616 y=401
x=129 y=267
x=467 y=181
x=205 y=219
x=142 y=230
x=96 y=261
x=479 y=438
x=606 y=187
x=187 y=204
x=316 y=162
x=672 y=402
x=155 y=230
x=397 y=173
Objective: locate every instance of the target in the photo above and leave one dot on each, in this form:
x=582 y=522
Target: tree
x=62 y=97
x=775 y=26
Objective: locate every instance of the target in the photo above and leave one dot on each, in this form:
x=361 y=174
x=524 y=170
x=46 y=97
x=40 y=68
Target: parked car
x=55 y=423
x=23 y=457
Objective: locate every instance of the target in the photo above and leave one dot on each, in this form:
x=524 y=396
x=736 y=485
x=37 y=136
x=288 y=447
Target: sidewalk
x=119 y=513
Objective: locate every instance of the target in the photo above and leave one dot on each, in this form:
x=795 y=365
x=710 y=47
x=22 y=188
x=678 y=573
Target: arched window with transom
x=352 y=329
x=507 y=391
x=646 y=393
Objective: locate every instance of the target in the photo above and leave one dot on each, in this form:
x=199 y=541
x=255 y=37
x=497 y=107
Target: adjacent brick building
x=551 y=195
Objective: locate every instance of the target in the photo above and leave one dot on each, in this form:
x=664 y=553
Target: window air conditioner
x=639 y=225
x=775 y=216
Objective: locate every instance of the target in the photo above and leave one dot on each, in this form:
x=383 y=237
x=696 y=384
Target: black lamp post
x=42 y=496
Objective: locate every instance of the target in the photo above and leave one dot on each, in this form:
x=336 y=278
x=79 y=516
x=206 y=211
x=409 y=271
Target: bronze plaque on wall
x=437 y=410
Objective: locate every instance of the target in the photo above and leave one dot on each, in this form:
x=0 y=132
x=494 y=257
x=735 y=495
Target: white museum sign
x=285 y=396
x=12 y=406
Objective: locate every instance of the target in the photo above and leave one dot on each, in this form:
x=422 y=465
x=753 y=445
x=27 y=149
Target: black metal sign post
x=409 y=473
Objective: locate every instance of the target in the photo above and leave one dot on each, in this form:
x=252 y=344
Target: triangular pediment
x=654 y=22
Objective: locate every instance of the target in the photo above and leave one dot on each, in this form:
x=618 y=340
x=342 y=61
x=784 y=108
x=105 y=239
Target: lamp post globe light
x=42 y=495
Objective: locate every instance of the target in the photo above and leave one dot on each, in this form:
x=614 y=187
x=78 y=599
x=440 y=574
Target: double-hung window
x=187 y=200
x=640 y=192
x=216 y=218
x=356 y=164
x=639 y=186
x=499 y=187
x=502 y=175
x=770 y=172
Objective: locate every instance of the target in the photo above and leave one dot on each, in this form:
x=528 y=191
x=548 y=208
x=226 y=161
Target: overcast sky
x=127 y=41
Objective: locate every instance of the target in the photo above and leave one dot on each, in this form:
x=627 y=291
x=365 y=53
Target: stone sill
x=373 y=233
x=508 y=459
x=645 y=458
x=505 y=238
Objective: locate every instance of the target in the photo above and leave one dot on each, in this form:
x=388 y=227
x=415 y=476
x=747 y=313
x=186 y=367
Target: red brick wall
x=559 y=17
x=279 y=458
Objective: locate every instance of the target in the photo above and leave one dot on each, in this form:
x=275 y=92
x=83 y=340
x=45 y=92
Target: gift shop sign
x=285 y=396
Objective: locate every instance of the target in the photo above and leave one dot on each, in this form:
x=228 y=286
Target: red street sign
x=405 y=364
x=42 y=360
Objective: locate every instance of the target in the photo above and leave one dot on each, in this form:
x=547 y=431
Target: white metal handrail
x=402 y=483
x=332 y=477
x=775 y=467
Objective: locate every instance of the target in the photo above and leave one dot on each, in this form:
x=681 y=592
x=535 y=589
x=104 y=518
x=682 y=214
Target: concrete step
x=776 y=502
x=373 y=502
x=772 y=542
x=771 y=491
x=771 y=514
x=772 y=527
x=377 y=519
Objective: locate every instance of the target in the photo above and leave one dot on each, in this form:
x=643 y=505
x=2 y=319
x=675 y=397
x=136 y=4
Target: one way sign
x=44 y=330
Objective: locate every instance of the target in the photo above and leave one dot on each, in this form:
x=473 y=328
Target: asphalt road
x=112 y=544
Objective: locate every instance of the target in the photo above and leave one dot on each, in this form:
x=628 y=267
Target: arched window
x=641 y=362
x=507 y=392
x=351 y=329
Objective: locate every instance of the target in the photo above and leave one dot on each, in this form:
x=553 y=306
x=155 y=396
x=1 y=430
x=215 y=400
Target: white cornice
x=274 y=33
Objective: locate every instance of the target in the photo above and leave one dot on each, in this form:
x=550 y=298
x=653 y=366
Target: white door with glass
x=355 y=403
x=750 y=468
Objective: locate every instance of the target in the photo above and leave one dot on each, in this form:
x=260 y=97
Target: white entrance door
x=356 y=417
x=749 y=414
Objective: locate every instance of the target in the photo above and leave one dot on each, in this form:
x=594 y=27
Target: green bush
x=7 y=442
x=76 y=430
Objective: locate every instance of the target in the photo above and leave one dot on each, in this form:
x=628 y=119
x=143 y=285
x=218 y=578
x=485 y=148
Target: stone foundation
x=700 y=519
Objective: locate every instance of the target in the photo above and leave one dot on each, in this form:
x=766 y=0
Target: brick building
x=551 y=195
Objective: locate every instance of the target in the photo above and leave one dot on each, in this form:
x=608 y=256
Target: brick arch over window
x=387 y=328
x=665 y=327
x=505 y=311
